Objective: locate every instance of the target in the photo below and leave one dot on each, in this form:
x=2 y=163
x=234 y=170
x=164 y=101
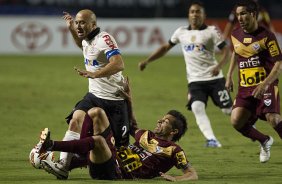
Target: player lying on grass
x=152 y=154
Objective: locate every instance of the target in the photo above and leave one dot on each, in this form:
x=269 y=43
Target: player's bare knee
x=74 y=125
x=198 y=107
x=100 y=142
x=96 y=112
x=273 y=119
x=235 y=122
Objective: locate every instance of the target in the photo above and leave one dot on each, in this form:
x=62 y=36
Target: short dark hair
x=200 y=3
x=251 y=6
x=180 y=124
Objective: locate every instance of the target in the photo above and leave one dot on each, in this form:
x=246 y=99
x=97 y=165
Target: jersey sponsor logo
x=109 y=41
x=252 y=76
x=91 y=62
x=129 y=160
x=31 y=36
x=181 y=158
x=273 y=48
x=251 y=62
x=247 y=40
x=194 y=47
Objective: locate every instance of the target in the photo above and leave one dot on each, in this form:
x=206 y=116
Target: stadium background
x=36 y=27
x=39 y=87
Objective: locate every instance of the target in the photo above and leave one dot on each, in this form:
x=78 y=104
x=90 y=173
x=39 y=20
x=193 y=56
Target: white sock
x=202 y=119
x=66 y=157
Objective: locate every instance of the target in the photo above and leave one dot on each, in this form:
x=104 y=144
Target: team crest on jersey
x=267 y=102
x=193 y=38
x=256 y=46
x=273 y=48
x=247 y=40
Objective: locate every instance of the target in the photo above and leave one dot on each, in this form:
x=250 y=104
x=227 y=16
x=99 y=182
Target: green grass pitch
x=39 y=91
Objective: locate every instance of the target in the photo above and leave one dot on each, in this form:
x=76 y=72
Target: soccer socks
x=202 y=119
x=249 y=131
x=82 y=146
x=87 y=127
x=64 y=156
x=78 y=162
x=278 y=129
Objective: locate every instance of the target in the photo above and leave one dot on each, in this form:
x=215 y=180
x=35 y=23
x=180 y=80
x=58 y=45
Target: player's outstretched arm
x=70 y=24
x=161 y=51
x=188 y=174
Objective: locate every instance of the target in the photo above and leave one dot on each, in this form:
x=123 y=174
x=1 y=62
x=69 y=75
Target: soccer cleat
x=45 y=144
x=264 y=155
x=55 y=168
x=213 y=143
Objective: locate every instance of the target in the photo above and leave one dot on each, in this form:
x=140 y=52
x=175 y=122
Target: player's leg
x=102 y=164
x=101 y=144
x=243 y=111
x=220 y=96
x=75 y=120
x=61 y=167
x=117 y=113
x=270 y=106
x=73 y=133
x=269 y=109
x=102 y=158
x=240 y=121
x=197 y=99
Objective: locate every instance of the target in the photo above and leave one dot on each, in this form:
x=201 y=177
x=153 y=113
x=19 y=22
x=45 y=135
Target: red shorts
x=270 y=103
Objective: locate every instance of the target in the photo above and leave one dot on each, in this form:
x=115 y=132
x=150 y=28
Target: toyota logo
x=31 y=36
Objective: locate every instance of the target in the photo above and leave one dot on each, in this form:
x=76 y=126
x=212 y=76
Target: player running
x=259 y=60
x=204 y=74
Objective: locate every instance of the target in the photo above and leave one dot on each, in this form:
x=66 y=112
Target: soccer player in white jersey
x=204 y=74
x=104 y=66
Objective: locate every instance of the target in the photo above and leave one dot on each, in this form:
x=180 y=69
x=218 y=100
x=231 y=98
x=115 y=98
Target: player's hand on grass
x=167 y=177
x=142 y=65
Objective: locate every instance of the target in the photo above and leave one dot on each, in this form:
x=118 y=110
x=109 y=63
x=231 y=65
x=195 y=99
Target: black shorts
x=108 y=170
x=117 y=113
x=200 y=91
x=105 y=171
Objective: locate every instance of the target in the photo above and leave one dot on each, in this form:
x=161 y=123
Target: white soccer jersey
x=198 y=50
x=96 y=54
